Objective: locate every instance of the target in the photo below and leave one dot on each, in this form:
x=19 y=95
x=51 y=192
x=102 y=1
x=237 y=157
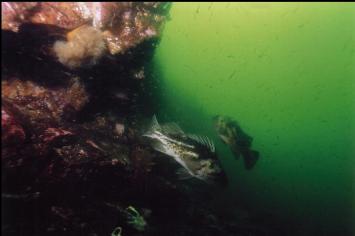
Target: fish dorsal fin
x=153 y=127
x=204 y=140
x=154 y=124
x=172 y=128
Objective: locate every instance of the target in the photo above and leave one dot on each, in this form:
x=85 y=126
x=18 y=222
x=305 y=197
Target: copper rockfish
x=239 y=142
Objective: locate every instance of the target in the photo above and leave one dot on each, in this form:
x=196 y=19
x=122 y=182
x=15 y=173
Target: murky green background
x=286 y=72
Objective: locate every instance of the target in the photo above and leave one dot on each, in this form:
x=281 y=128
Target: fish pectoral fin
x=250 y=159
x=160 y=147
x=236 y=152
x=183 y=174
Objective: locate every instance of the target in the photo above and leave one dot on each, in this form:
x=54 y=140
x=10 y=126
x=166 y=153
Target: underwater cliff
x=116 y=116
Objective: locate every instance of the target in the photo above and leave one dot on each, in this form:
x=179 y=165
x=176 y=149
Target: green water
x=286 y=72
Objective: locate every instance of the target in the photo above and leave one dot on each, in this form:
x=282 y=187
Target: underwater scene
x=176 y=118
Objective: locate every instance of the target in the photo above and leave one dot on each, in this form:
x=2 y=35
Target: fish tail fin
x=154 y=126
x=250 y=159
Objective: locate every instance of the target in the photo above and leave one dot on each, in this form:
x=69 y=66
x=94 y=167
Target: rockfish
x=239 y=142
x=195 y=154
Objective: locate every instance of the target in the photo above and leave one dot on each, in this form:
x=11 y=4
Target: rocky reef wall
x=75 y=88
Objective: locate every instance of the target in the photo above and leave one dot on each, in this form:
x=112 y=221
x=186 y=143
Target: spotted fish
x=195 y=154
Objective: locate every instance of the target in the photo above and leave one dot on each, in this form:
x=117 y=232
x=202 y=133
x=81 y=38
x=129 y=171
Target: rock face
x=76 y=87
x=46 y=83
x=67 y=123
x=124 y=25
